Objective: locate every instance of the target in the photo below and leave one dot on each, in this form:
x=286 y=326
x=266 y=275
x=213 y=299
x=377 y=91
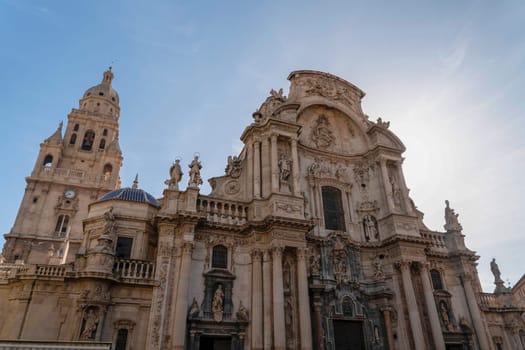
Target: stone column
x=275 y=164
x=319 y=324
x=305 y=323
x=257 y=301
x=181 y=306
x=265 y=167
x=388 y=327
x=404 y=188
x=295 y=169
x=249 y=170
x=279 y=334
x=413 y=312
x=256 y=169
x=267 y=301
x=386 y=182
x=437 y=334
x=475 y=314
x=163 y=294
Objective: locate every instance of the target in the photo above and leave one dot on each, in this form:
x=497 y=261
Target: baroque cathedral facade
x=310 y=240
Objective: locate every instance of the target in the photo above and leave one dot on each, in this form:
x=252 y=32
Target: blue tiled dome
x=132 y=195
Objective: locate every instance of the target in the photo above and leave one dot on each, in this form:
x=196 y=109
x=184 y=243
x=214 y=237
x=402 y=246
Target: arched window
x=73 y=139
x=219 y=257
x=122 y=339
x=48 y=161
x=105 y=132
x=75 y=128
x=102 y=144
x=87 y=143
x=435 y=276
x=348 y=306
x=62 y=223
x=333 y=209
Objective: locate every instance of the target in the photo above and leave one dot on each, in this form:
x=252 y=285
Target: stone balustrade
x=51 y=270
x=74 y=175
x=92 y=113
x=437 y=239
x=488 y=301
x=134 y=269
x=222 y=212
x=11 y=270
x=49 y=345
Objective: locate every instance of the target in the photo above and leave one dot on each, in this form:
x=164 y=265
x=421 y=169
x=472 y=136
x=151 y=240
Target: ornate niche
x=93 y=305
x=394 y=181
x=370 y=228
x=215 y=316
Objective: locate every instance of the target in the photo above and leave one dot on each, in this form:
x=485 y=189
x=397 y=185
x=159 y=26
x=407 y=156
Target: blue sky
x=448 y=75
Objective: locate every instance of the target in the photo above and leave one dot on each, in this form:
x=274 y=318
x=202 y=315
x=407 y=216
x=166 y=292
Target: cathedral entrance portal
x=215 y=343
x=348 y=335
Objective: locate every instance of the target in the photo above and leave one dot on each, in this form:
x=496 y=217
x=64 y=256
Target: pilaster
x=279 y=334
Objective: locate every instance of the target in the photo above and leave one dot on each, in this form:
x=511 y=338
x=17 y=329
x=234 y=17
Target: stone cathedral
x=309 y=240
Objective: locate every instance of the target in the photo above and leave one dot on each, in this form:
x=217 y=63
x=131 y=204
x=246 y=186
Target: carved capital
x=187 y=248
x=277 y=251
x=302 y=253
x=256 y=255
x=402 y=265
x=267 y=256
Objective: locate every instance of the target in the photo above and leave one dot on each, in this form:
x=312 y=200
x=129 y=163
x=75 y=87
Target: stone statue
x=451 y=219
x=284 y=168
x=194 y=309
x=90 y=325
x=242 y=313
x=396 y=192
x=315 y=267
x=175 y=176
x=443 y=310
x=495 y=271
x=110 y=221
x=195 y=173
x=370 y=227
x=321 y=134
x=378 y=269
x=217 y=305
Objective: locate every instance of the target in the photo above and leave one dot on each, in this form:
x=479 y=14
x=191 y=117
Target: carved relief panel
x=330 y=130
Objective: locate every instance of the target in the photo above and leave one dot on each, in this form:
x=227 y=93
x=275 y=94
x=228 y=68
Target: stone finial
x=135 y=182
x=57 y=135
x=382 y=124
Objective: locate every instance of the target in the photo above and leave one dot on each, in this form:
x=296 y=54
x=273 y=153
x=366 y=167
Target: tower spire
x=135 y=182
x=107 y=76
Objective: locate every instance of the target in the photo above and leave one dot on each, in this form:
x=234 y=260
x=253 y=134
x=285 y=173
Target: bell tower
x=73 y=168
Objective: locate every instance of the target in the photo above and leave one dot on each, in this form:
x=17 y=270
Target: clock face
x=70 y=194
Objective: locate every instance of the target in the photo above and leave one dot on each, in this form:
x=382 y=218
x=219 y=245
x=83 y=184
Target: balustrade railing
x=222 y=212
x=51 y=270
x=135 y=269
x=11 y=270
x=488 y=300
x=437 y=240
